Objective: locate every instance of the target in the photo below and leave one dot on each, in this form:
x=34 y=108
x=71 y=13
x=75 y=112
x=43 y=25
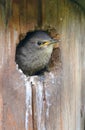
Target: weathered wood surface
x=80 y=3
x=52 y=101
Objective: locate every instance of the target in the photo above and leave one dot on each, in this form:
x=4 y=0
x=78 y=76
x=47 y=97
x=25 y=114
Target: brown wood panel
x=66 y=18
x=83 y=72
x=12 y=86
x=52 y=101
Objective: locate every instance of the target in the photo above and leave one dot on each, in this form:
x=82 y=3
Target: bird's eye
x=39 y=43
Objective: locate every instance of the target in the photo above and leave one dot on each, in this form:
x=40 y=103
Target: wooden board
x=52 y=101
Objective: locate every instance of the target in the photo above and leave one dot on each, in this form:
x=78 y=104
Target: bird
x=33 y=53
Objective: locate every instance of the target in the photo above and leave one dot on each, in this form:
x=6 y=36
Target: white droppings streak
x=40 y=106
x=21 y=72
x=27 y=82
x=9 y=44
x=48 y=104
x=52 y=77
x=28 y=103
x=39 y=100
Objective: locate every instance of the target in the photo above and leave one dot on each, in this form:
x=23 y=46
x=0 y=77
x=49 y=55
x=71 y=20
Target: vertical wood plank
x=14 y=114
x=66 y=18
x=83 y=73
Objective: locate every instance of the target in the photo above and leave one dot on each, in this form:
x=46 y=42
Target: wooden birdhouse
x=54 y=100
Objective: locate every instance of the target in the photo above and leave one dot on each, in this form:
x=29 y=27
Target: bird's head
x=42 y=40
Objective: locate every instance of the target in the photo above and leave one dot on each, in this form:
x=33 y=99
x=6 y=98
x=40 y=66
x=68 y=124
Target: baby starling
x=34 y=52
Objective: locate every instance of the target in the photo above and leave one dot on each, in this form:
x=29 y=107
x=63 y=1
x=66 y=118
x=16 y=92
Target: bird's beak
x=49 y=42
x=54 y=41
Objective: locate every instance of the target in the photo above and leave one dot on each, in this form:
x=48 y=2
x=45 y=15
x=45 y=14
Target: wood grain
x=54 y=101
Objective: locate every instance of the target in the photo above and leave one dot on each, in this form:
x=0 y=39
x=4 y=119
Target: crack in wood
x=40 y=13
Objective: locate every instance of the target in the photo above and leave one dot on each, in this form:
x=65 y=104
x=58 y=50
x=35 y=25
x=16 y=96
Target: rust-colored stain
x=30 y=124
x=10 y=120
x=61 y=120
x=54 y=34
